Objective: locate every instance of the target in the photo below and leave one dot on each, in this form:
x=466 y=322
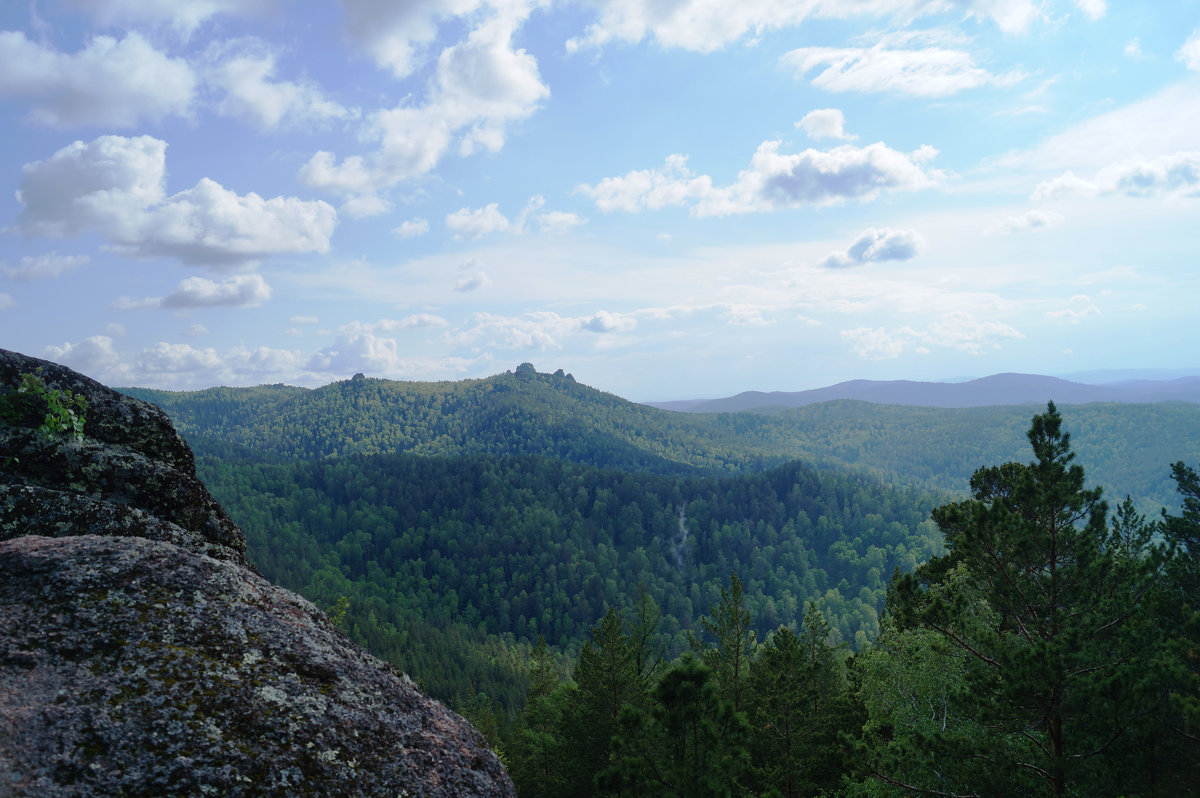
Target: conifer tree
x=730 y=655
x=687 y=745
x=1043 y=614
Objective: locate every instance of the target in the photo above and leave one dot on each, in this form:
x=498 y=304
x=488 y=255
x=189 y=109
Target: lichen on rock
x=140 y=655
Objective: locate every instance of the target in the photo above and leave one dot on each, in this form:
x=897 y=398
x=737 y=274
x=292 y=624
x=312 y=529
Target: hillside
x=1125 y=447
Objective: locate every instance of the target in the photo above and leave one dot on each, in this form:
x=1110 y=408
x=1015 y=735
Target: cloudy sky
x=669 y=198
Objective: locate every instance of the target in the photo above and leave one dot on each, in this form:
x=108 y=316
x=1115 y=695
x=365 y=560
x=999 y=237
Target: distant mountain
x=998 y=389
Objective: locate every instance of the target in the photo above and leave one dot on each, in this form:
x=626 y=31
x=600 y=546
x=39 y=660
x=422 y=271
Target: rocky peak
x=140 y=655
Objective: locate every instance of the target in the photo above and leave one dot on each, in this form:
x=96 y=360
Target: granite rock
x=140 y=655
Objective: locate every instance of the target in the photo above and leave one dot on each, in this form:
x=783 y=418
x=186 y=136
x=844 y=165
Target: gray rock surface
x=141 y=656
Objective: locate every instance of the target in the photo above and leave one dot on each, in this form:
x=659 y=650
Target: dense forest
x=841 y=599
x=551 y=415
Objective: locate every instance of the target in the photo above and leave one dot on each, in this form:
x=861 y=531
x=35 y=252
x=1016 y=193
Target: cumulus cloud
x=411 y=228
x=111 y=82
x=925 y=72
x=1078 y=307
x=1093 y=9
x=472 y=224
x=558 y=222
x=480 y=85
x=245 y=71
x=1189 y=53
x=471 y=282
x=878 y=245
x=94 y=356
x=467 y=223
x=1177 y=174
x=536 y=330
x=412 y=322
x=182 y=15
x=605 y=322
x=1030 y=220
x=395 y=35
x=172 y=365
x=704 y=26
x=825 y=123
x=40 y=267
x=116 y=186
x=774 y=180
x=956 y=331
x=246 y=290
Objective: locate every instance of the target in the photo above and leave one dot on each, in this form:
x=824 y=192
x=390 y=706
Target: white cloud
x=93 y=356
x=412 y=228
x=303 y=319
x=876 y=245
x=110 y=83
x=245 y=290
x=927 y=72
x=1177 y=174
x=245 y=71
x=1078 y=307
x=6 y=301
x=772 y=181
x=704 y=26
x=467 y=223
x=650 y=189
x=605 y=322
x=1030 y=220
x=472 y=224
x=1093 y=9
x=874 y=343
x=115 y=185
x=479 y=86
x=471 y=282
x=958 y=331
x=412 y=322
x=825 y=123
x=49 y=265
x=558 y=222
x=195 y=330
x=1189 y=53
x=1133 y=48
x=365 y=206
x=1068 y=184
x=183 y=15
x=395 y=35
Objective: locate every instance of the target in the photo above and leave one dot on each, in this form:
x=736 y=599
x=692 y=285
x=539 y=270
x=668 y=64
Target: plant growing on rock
x=65 y=410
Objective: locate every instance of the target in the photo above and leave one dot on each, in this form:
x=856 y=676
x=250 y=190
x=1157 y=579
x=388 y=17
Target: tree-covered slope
x=525 y=547
x=513 y=413
x=1127 y=448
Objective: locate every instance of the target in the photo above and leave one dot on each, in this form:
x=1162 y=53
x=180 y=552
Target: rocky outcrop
x=141 y=656
x=130 y=475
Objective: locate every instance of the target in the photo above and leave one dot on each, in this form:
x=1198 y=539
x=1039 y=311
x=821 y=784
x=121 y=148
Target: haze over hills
x=998 y=389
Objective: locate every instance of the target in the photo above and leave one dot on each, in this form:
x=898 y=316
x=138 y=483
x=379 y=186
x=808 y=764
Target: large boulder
x=141 y=656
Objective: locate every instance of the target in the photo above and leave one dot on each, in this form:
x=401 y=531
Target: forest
x=629 y=601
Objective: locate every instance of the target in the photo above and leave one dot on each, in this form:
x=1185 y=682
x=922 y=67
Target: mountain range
x=998 y=389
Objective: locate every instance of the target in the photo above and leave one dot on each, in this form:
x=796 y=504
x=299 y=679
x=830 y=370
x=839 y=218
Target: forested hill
x=522 y=412
x=1124 y=447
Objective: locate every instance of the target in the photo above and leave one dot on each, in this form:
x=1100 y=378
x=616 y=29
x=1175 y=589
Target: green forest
x=821 y=601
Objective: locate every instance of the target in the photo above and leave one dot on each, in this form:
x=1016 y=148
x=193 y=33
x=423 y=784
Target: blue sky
x=668 y=198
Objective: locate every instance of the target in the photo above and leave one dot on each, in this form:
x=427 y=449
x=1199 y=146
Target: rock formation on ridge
x=140 y=654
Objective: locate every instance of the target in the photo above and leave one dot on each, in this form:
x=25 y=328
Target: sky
x=669 y=199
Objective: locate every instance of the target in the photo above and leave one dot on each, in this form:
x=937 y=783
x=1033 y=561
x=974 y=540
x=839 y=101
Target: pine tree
x=1043 y=612
x=729 y=657
x=688 y=745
